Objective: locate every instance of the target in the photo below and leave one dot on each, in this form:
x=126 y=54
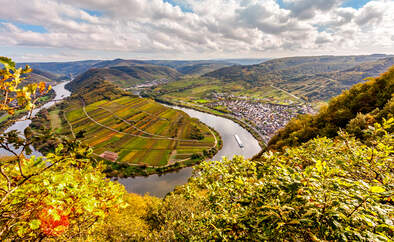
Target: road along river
x=160 y=185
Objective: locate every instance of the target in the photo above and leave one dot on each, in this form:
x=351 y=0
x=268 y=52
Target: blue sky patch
x=178 y=3
x=355 y=3
x=27 y=27
x=93 y=12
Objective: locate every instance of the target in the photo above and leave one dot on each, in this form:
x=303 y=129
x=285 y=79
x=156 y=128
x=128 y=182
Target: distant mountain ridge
x=313 y=78
x=124 y=73
x=64 y=68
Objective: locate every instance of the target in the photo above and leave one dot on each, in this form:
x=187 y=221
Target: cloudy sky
x=58 y=30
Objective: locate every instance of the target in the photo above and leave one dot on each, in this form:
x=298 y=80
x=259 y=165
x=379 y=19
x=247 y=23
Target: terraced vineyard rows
x=139 y=130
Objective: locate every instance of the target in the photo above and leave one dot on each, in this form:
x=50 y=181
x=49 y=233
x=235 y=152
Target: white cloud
x=306 y=9
x=212 y=29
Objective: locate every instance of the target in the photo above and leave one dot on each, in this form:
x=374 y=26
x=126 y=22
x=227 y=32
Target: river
x=61 y=93
x=160 y=185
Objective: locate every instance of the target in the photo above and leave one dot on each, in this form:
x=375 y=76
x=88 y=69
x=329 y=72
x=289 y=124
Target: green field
x=139 y=130
x=202 y=91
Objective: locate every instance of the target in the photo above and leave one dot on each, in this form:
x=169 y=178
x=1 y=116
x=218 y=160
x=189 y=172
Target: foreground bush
x=327 y=189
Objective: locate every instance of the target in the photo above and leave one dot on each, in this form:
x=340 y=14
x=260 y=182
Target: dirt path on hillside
x=140 y=136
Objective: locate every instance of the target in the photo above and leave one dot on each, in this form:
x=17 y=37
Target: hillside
x=323 y=86
x=353 y=110
x=193 y=67
x=38 y=75
x=312 y=78
x=201 y=68
x=128 y=76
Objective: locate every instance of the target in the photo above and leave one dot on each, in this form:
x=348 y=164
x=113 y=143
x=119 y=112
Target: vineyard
x=139 y=130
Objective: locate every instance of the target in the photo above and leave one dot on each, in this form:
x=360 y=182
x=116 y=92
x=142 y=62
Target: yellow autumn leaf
x=376 y=189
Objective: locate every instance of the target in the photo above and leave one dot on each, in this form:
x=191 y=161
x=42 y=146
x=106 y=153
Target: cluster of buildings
x=155 y=82
x=266 y=117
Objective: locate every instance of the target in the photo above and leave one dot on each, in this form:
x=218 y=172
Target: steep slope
x=193 y=67
x=128 y=76
x=322 y=86
x=38 y=75
x=354 y=110
x=305 y=76
x=201 y=68
x=93 y=88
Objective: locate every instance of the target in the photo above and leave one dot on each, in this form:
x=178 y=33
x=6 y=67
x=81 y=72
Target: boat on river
x=239 y=141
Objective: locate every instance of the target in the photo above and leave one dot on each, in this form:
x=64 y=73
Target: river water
x=61 y=93
x=160 y=185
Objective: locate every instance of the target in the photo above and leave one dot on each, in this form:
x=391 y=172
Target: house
x=109 y=156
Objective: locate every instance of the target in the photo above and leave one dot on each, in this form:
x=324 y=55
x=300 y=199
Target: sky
x=67 y=30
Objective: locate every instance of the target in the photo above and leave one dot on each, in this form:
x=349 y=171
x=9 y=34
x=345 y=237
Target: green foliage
x=12 y=96
x=325 y=189
x=62 y=195
x=69 y=186
x=195 y=133
x=353 y=109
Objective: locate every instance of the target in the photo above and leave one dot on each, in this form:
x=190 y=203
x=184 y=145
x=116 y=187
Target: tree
x=62 y=194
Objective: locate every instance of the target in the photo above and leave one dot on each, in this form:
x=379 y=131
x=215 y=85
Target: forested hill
x=94 y=89
x=38 y=75
x=313 y=78
x=128 y=76
x=353 y=110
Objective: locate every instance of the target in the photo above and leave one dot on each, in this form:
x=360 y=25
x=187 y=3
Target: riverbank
x=218 y=113
x=10 y=120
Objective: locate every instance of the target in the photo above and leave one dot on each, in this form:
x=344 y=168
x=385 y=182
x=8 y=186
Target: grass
x=157 y=121
x=56 y=122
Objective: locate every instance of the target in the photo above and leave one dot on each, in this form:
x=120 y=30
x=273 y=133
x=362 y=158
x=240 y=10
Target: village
x=266 y=117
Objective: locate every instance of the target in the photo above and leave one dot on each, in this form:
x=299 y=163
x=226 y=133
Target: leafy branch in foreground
x=62 y=195
x=13 y=97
